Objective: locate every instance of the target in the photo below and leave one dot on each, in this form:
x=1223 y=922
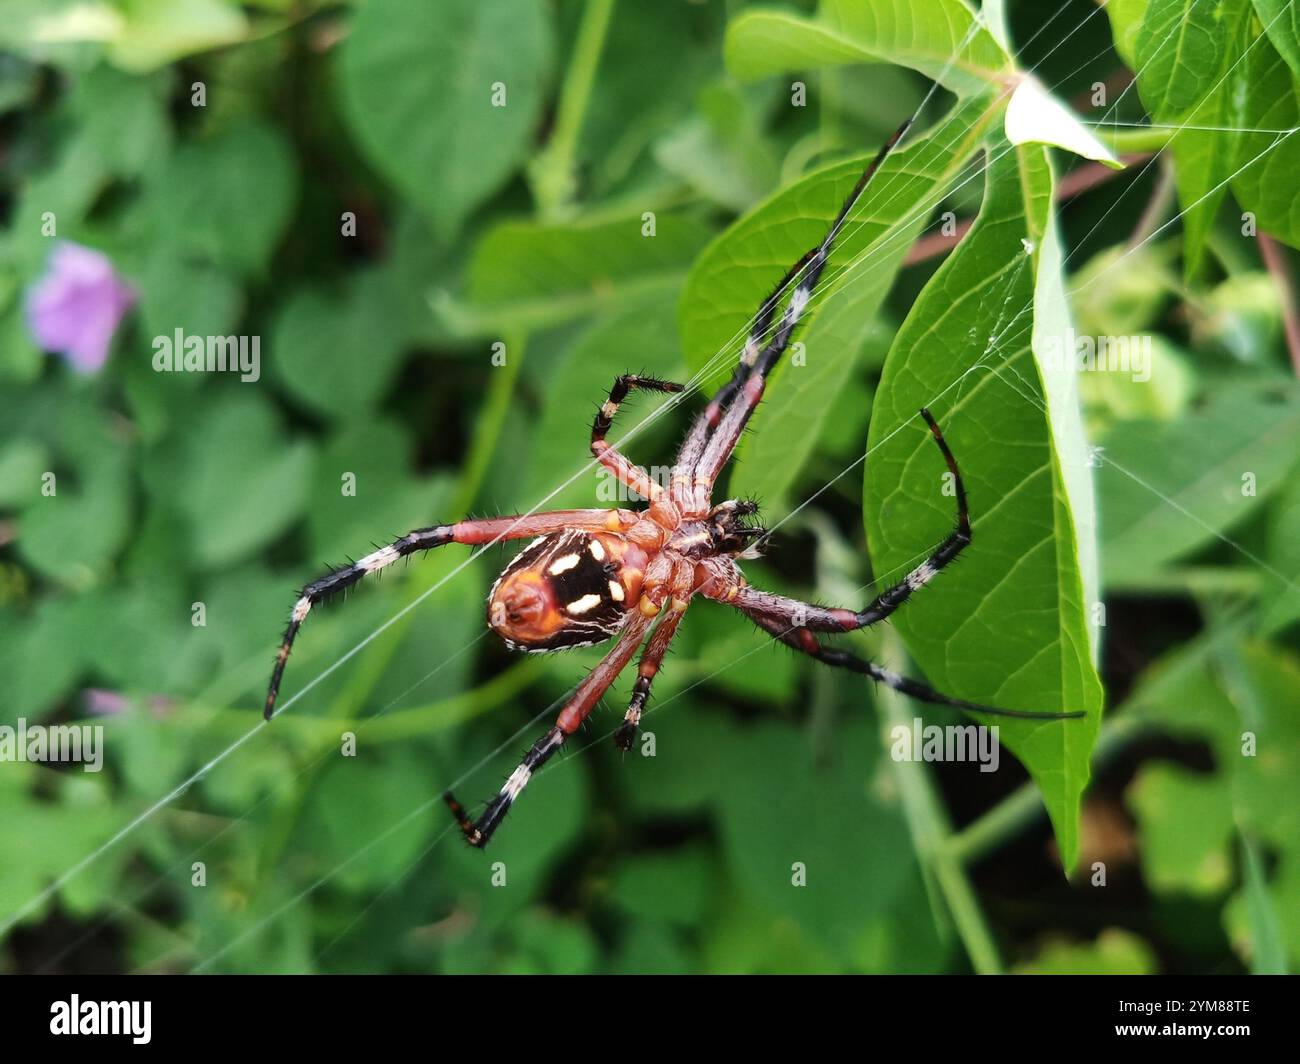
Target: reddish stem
x=1275 y=259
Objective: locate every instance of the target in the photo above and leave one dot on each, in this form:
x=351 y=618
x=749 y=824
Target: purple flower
x=75 y=308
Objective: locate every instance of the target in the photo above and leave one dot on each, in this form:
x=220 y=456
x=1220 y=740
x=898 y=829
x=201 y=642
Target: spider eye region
x=569 y=589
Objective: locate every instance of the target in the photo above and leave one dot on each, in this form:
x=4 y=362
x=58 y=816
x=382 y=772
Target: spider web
x=844 y=275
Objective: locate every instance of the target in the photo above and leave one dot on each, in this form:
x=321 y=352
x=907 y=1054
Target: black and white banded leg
x=575 y=711
x=628 y=473
x=746 y=387
x=341 y=579
x=478 y=832
x=802 y=639
x=470 y=532
x=787 y=612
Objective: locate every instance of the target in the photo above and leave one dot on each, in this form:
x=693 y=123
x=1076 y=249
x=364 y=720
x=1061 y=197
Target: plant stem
x=1132 y=139
x=931 y=831
x=552 y=173
x=1275 y=260
x=1190 y=579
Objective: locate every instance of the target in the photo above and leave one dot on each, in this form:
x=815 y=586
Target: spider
x=594 y=574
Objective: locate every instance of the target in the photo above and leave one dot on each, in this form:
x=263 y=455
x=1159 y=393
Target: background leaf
x=417 y=83
x=929 y=39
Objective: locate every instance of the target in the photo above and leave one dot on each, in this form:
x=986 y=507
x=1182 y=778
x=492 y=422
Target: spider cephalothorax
x=592 y=575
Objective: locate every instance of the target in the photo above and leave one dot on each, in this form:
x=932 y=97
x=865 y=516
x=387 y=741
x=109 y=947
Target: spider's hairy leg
x=802 y=639
x=957 y=541
x=630 y=475
x=651 y=659
x=745 y=390
x=575 y=711
x=824 y=619
x=692 y=449
x=472 y=532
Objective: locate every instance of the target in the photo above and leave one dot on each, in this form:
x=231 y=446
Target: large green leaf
x=1189 y=54
x=227 y=198
x=1211 y=66
x=935 y=38
x=1281 y=20
x=740 y=269
x=528 y=274
x=337 y=351
x=417 y=83
x=1266 y=162
x=1167 y=488
x=1239 y=698
x=1008 y=624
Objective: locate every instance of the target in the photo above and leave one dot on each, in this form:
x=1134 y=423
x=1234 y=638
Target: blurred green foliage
x=334 y=179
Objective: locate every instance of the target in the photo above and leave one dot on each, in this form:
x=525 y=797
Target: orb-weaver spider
x=594 y=574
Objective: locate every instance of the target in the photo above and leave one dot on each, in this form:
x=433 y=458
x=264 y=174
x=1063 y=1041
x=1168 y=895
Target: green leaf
x=1265 y=162
x=1115 y=952
x=417 y=82
x=740 y=269
x=367 y=803
x=854 y=858
x=1281 y=600
x=1168 y=488
x=1186 y=54
x=924 y=37
x=673 y=886
x=72 y=536
x=1240 y=697
x=124 y=117
x=1008 y=625
x=1185 y=823
x=1268 y=953
x=235 y=476
x=387 y=497
x=1281 y=20
x=138 y=35
x=721 y=151
x=196 y=297
x=655 y=58
x=338 y=352
x=526 y=274
x=227 y=198
x=156 y=32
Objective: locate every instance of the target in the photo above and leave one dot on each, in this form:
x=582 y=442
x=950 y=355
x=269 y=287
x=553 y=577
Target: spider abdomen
x=569 y=589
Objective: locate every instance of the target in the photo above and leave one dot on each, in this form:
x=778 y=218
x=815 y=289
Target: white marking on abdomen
x=582 y=605
x=563 y=565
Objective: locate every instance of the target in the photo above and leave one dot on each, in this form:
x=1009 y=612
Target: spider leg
x=651 y=659
x=632 y=476
x=745 y=390
x=575 y=711
x=692 y=449
x=802 y=639
x=824 y=619
x=422 y=539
